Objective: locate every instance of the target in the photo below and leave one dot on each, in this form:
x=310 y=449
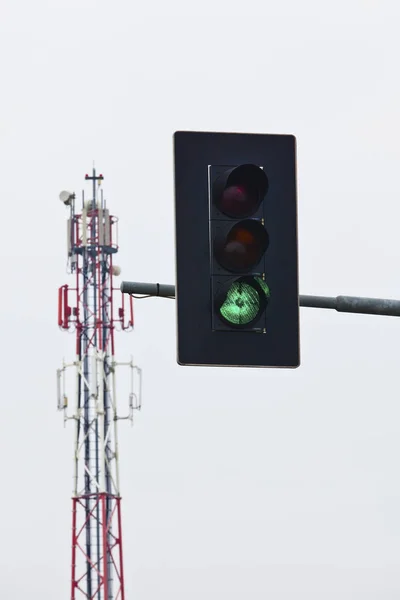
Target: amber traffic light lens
x=242 y=247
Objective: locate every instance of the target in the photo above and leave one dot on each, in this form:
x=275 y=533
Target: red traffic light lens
x=242 y=247
x=239 y=192
x=238 y=201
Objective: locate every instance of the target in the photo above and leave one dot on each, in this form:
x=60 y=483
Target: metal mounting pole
x=148 y=289
x=350 y=304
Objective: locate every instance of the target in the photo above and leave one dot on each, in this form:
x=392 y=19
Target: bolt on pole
x=349 y=304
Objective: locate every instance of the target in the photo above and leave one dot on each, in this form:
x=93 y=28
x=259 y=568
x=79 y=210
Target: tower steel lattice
x=89 y=309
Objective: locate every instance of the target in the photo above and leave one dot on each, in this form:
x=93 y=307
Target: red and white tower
x=88 y=307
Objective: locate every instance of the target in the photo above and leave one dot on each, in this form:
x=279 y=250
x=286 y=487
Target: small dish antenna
x=66 y=197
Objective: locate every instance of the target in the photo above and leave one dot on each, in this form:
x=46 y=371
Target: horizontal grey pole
x=354 y=304
x=148 y=289
x=350 y=304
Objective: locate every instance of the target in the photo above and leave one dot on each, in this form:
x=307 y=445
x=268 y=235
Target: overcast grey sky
x=236 y=483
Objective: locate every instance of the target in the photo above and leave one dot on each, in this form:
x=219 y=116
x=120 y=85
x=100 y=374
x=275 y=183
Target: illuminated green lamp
x=243 y=301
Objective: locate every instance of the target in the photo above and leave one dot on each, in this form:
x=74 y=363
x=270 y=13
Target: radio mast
x=89 y=309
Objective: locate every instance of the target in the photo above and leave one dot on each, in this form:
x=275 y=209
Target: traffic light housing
x=236 y=249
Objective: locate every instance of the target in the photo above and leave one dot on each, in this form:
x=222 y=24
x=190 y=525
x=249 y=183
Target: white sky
x=241 y=484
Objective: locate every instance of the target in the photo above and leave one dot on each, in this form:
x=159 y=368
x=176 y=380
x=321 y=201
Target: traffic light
x=236 y=249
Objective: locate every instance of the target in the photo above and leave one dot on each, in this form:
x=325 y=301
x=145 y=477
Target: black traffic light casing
x=236 y=249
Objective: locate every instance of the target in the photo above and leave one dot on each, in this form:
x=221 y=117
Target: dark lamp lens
x=243 y=246
x=238 y=201
x=239 y=192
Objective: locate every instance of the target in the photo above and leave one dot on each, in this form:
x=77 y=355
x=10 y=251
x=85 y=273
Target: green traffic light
x=243 y=303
